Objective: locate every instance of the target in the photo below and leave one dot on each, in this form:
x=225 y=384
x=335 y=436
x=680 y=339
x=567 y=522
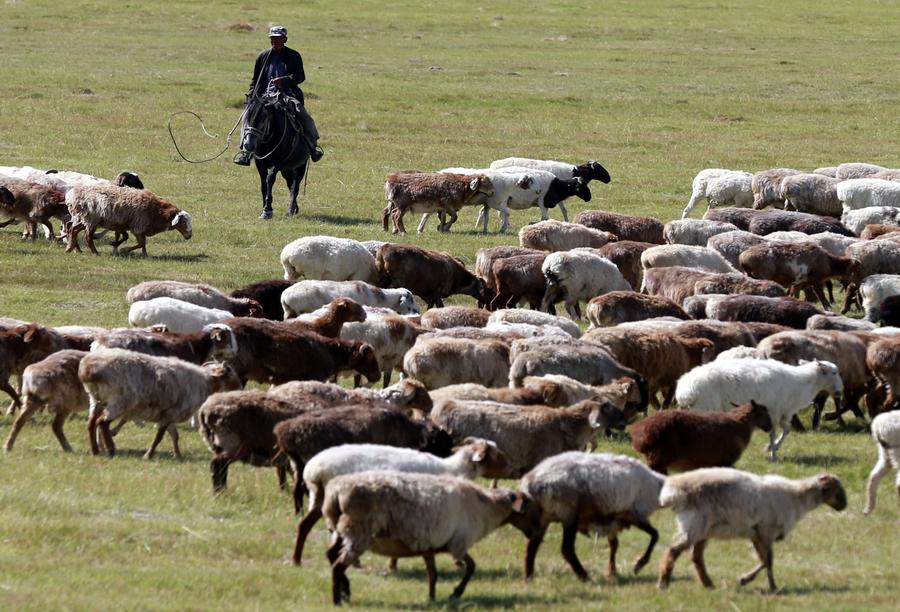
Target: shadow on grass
x=443 y=600
x=184 y=258
x=343 y=219
x=411 y=572
x=811 y=589
x=817 y=460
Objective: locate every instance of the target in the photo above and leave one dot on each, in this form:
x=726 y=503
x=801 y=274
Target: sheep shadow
x=467 y=602
x=342 y=219
x=412 y=573
x=815 y=460
x=180 y=258
x=810 y=589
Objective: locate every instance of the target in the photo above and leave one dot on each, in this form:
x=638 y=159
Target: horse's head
x=257 y=118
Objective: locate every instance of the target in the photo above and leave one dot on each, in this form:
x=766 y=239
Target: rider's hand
x=278 y=81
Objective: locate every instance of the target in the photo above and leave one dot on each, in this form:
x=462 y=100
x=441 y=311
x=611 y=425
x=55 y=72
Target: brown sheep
x=625 y=227
x=431 y=192
x=455 y=316
x=518 y=278
x=622 y=306
x=626 y=254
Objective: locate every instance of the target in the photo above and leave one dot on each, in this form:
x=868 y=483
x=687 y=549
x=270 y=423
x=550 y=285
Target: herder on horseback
x=282 y=67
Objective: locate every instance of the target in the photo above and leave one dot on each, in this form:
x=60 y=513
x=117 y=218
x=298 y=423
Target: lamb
x=730 y=245
x=470 y=460
x=518 y=278
x=684 y=255
x=327 y=258
x=534 y=317
x=165 y=390
x=625 y=227
x=766 y=187
x=176 y=315
x=330 y=320
x=729 y=503
x=537 y=391
x=306 y=296
x=886 y=432
x=391 y=336
x=857 y=170
x=455 y=316
x=22 y=344
x=33 y=203
x=883 y=360
x=626 y=254
x=579 y=275
x=857 y=220
x=720 y=187
x=527 y=434
x=694 y=231
x=874 y=290
x=53 y=384
x=123 y=210
x=770 y=221
x=783 y=311
x=552 y=235
x=784 y=389
x=267 y=293
x=741 y=217
x=431 y=275
x=680 y=439
x=396 y=514
x=427 y=192
x=876 y=230
x=621 y=306
x=195 y=293
x=439 y=362
x=604 y=493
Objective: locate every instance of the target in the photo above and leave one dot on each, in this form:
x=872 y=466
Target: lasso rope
x=203 y=127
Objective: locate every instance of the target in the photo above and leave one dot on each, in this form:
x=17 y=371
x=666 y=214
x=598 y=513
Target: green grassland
x=654 y=90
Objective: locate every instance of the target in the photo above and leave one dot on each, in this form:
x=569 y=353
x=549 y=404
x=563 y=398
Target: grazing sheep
x=177 y=316
x=122 y=209
x=267 y=293
x=194 y=347
x=552 y=235
x=860 y=193
x=396 y=514
x=534 y=317
x=195 y=293
x=838 y=323
x=766 y=187
x=728 y=503
x=857 y=220
x=428 y=192
x=579 y=275
x=694 y=231
x=739 y=217
x=390 y=335
x=769 y=221
x=164 y=390
x=886 y=432
x=811 y=193
x=470 y=460
x=438 y=362
x=621 y=306
x=784 y=389
x=683 y=440
x=527 y=434
x=604 y=493
x=702 y=306
x=783 y=311
x=407 y=395
x=306 y=296
x=625 y=227
x=327 y=258
x=684 y=255
x=720 y=187
x=626 y=254
x=455 y=316
x=857 y=170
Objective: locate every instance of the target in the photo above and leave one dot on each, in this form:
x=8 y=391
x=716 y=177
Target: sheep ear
x=518 y=503
x=478 y=455
x=474 y=183
x=553 y=394
x=29 y=335
x=525 y=182
x=176 y=219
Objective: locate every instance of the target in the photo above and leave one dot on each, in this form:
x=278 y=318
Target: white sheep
x=720 y=187
x=308 y=295
x=685 y=255
x=469 y=461
x=874 y=290
x=784 y=389
x=694 y=231
x=534 y=317
x=726 y=503
x=857 y=170
x=766 y=186
x=176 y=315
x=730 y=245
x=604 y=493
x=438 y=362
x=196 y=293
x=855 y=194
x=577 y=276
x=328 y=258
x=811 y=193
x=390 y=335
x=886 y=432
x=857 y=220
x=553 y=235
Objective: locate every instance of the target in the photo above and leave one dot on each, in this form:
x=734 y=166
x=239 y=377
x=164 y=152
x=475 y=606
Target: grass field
x=654 y=90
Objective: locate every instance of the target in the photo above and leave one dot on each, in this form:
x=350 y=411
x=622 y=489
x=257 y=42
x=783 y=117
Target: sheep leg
x=299 y=489
x=103 y=422
x=432 y=575
x=89 y=239
x=700 y=564
x=173 y=433
x=29 y=409
x=881 y=469
x=668 y=562
x=817 y=290
x=57 y=426
x=467 y=575
x=829 y=286
x=92 y=428
x=647 y=528
x=613 y=542
x=303 y=528
x=340 y=556
x=141 y=244
x=386 y=378
x=572 y=309
x=160 y=432
x=531 y=549
x=398 y=222
x=16 y=398
x=695 y=197
x=849 y=295
x=118 y=241
x=565 y=213
x=72 y=237
x=51 y=234
x=423 y=222
x=570 y=530
x=218 y=467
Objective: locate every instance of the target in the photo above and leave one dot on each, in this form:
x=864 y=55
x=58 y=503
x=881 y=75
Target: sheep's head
x=129 y=179
x=251 y=308
x=832 y=491
x=482 y=184
x=366 y=363
x=436 y=440
x=223 y=375
x=490 y=461
x=183 y=223
x=604 y=415
x=348 y=310
x=592 y=171
x=224 y=343
x=411 y=395
x=581 y=189
x=525 y=515
x=760 y=416
x=406 y=303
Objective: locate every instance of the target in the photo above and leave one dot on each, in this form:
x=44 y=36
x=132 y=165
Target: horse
x=280 y=146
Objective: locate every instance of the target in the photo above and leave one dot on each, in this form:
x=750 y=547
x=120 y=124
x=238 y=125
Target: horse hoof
x=293 y=211
x=266 y=214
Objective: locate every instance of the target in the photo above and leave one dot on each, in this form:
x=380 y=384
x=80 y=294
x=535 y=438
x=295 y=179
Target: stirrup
x=243 y=158
x=316 y=153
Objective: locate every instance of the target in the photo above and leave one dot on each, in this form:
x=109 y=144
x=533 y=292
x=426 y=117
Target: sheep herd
x=704 y=315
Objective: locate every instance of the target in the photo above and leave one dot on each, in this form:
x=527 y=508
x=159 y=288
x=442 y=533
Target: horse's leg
x=294 y=186
x=266 y=181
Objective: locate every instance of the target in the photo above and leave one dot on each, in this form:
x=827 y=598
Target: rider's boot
x=243 y=158
x=315 y=152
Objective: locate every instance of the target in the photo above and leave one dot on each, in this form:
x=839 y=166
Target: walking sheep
x=886 y=432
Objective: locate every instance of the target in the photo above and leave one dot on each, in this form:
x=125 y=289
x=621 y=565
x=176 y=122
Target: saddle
x=289 y=106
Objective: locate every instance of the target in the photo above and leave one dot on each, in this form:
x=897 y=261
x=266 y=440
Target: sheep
x=694 y=231
x=741 y=217
x=857 y=220
x=730 y=245
x=176 y=315
x=624 y=393
x=518 y=278
x=729 y=503
x=738 y=352
x=626 y=254
x=838 y=323
x=770 y=221
x=579 y=275
x=439 y=362
x=844 y=350
x=327 y=258
x=766 y=187
x=762 y=329
x=195 y=293
x=621 y=306
x=886 y=432
x=684 y=255
x=783 y=311
x=534 y=317
x=857 y=170
x=22 y=344
x=811 y=193
x=546 y=191
x=883 y=360
x=876 y=230
x=267 y=293
x=194 y=347
x=604 y=493
x=469 y=461
x=874 y=289
x=431 y=275
x=675 y=283
x=625 y=227
x=166 y=390
x=527 y=434
x=397 y=514
x=890 y=310
x=307 y=295
x=391 y=336
x=702 y=306
x=53 y=384
x=784 y=389
x=426 y=192
x=536 y=391
x=720 y=187
x=855 y=194
x=723 y=335
x=455 y=316
x=330 y=320
x=122 y=209
x=826 y=171
x=736 y=283
x=407 y=395
x=875 y=257
x=33 y=203
x=505 y=336
x=552 y=235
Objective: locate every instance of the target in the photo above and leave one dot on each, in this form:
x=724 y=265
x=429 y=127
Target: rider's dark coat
x=293 y=65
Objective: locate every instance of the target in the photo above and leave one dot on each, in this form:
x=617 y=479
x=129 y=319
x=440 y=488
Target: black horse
x=280 y=146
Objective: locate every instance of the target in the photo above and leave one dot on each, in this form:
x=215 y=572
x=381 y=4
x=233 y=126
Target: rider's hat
x=277 y=31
